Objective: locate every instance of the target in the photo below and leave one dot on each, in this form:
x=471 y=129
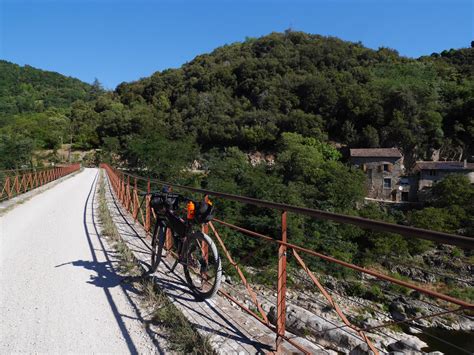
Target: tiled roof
x=443 y=165
x=376 y=152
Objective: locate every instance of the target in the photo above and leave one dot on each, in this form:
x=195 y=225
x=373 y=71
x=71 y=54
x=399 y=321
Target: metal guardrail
x=126 y=189
x=16 y=182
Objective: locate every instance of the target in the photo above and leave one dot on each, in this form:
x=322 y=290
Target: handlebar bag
x=161 y=202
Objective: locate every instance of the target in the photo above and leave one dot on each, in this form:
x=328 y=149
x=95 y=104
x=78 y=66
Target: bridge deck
x=60 y=292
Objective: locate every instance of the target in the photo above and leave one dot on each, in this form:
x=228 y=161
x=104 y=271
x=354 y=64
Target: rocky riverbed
x=309 y=314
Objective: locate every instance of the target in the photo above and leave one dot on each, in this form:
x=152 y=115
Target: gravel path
x=59 y=291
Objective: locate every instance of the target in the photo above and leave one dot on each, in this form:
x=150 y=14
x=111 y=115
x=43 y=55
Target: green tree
x=159 y=156
x=15 y=151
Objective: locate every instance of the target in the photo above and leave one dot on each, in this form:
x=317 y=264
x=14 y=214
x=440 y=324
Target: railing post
x=23 y=183
x=135 y=199
x=281 y=288
x=122 y=189
x=127 y=195
x=7 y=187
x=147 y=204
x=17 y=185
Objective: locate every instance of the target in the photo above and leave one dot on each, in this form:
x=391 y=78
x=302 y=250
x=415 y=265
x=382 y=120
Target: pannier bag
x=204 y=211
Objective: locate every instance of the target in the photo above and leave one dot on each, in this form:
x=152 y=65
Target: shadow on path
x=106 y=274
x=218 y=321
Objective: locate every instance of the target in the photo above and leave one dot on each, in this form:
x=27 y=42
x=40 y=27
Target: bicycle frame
x=179 y=227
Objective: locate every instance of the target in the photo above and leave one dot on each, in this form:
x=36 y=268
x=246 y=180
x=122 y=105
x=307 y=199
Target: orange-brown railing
x=125 y=187
x=16 y=182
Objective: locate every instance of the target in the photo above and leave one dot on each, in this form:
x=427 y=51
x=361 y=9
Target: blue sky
x=118 y=40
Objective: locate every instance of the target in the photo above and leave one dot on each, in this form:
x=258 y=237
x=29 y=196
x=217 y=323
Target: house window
x=387 y=183
x=404 y=181
x=386 y=167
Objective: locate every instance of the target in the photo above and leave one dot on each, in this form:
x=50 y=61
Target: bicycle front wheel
x=203 y=269
x=157 y=244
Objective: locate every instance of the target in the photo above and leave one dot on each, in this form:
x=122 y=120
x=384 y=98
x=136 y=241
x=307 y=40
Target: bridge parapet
x=128 y=187
x=19 y=181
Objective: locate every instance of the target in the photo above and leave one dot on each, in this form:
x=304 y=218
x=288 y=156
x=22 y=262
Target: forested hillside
x=291 y=95
x=34 y=109
x=247 y=94
x=27 y=89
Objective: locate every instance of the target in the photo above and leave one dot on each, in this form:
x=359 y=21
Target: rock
x=369 y=322
x=266 y=307
x=302 y=322
x=414 y=273
x=196 y=165
x=409 y=344
x=466 y=324
x=422 y=323
x=400 y=309
x=227 y=279
x=305 y=343
x=397 y=311
x=256 y=158
x=361 y=349
x=413 y=330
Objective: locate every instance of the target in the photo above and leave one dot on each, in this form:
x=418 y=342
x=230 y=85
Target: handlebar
x=170 y=201
x=160 y=193
x=166 y=195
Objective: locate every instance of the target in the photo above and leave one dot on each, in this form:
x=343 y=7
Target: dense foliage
x=27 y=89
x=450 y=207
x=289 y=94
x=248 y=94
x=34 y=110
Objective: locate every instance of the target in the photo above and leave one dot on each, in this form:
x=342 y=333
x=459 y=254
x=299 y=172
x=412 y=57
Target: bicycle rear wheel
x=157 y=243
x=203 y=269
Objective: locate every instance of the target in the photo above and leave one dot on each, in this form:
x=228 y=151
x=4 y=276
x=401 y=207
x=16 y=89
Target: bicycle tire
x=157 y=243
x=213 y=258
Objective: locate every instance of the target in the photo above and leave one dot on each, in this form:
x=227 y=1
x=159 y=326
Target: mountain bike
x=194 y=249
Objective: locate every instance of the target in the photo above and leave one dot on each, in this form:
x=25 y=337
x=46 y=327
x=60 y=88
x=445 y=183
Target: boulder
x=397 y=311
x=400 y=309
x=413 y=330
x=361 y=349
x=410 y=344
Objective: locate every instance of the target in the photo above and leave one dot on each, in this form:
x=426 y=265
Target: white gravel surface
x=59 y=292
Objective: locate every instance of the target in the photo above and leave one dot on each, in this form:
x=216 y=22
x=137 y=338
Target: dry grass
x=182 y=336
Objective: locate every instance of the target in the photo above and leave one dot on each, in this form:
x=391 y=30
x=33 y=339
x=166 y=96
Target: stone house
x=430 y=172
x=385 y=173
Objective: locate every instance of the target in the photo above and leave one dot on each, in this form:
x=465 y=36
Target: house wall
x=374 y=169
x=427 y=180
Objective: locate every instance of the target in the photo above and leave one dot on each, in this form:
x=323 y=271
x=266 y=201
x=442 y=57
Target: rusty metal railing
x=16 y=182
x=126 y=189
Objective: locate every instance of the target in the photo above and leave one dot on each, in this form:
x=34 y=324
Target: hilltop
x=246 y=94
